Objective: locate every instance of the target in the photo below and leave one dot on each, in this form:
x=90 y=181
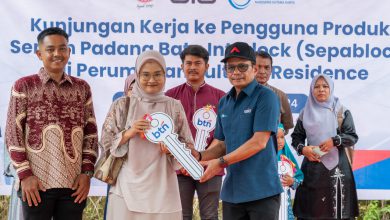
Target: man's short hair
x=265 y=55
x=195 y=50
x=52 y=31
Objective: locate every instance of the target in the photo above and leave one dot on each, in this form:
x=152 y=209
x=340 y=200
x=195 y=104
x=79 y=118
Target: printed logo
x=205 y=123
x=145 y=4
x=239 y=4
x=235 y=50
x=193 y=1
x=277 y=2
x=159 y=130
x=247 y=111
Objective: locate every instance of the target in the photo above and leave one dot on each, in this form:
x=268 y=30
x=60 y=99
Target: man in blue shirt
x=244 y=142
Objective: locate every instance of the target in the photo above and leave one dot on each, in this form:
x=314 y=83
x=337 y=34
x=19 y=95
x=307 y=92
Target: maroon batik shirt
x=51 y=129
x=194 y=100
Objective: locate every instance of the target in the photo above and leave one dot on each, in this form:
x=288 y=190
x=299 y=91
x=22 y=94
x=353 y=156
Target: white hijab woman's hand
x=326 y=145
x=138 y=127
x=308 y=152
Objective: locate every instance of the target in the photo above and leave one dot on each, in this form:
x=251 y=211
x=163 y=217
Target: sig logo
x=160 y=130
x=239 y=4
x=203 y=123
x=193 y=1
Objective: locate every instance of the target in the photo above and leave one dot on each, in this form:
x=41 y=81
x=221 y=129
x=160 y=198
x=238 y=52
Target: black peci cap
x=240 y=50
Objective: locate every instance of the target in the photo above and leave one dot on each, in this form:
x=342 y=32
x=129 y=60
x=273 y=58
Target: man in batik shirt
x=51 y=134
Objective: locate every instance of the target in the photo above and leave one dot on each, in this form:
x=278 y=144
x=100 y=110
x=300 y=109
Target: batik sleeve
x=15 y=131
x=90 y=142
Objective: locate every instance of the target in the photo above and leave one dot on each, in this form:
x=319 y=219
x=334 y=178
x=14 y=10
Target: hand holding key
x=138 y=127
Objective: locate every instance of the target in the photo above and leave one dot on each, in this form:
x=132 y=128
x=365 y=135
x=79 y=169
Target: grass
x=369 y=210
x=93 y=211
x=4 y=201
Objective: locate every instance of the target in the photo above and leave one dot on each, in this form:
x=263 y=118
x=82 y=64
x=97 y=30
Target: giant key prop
x=284 y=168
x=161 y=130
x=204 y=121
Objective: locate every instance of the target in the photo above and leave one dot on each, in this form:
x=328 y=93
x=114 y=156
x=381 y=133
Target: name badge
x=247 y=111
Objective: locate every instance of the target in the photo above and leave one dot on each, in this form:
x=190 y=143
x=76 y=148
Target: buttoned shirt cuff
x=337 y=140
x=87 y=167
x=24 y=174
x=299 y=149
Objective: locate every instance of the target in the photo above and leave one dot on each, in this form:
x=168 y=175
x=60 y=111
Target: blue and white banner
x=347 y=40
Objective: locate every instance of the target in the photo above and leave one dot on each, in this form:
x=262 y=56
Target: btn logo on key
x=204 y=121
x=162 y=130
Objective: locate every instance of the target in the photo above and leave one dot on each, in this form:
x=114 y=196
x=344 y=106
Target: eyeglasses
x=148 y=76
x=242 y=67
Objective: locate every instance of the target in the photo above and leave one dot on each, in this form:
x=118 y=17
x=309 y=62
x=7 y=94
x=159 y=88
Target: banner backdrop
x=347 y=40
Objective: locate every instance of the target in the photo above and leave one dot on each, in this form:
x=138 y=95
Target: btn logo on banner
x=204 y=121
x=162 y=131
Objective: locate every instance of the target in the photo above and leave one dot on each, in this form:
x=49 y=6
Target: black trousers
x=55 y=203
x=263 y=209
x=325 y=219
x=208 y=195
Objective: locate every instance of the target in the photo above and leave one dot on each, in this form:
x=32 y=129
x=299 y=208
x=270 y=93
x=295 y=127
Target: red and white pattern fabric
x=51 y=129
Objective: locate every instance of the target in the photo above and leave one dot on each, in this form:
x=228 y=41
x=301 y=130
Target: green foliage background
x=369 y=210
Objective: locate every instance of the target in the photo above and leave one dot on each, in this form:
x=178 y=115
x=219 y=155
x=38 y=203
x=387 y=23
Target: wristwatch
x=88 y=173
x=223 y=163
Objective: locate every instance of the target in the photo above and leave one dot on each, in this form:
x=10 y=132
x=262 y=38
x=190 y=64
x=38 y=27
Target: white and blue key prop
x=161 y=130
x=283 y=169
x=204 y=121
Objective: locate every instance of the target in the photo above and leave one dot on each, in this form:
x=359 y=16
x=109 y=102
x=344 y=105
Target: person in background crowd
x=245 y=142
x=194 y=94
x=15 y=211
x=129 y=83
x=147 y=186
x=290 y=175
x=328 y=190
x=51 y=134
x=264 y=64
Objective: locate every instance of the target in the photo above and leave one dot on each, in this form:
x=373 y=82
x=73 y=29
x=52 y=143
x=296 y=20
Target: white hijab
x=142 y=103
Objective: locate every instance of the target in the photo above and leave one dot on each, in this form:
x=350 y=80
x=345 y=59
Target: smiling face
x=54 y=53
x=321 y=90
x=152 y=77
x=194 y=68
x=240 y=72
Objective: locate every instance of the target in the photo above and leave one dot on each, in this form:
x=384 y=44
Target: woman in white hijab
x=328 y=189
x=147 y=186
